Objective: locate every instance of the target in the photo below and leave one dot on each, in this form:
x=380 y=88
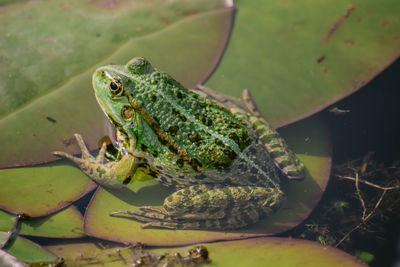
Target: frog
x=223 y=159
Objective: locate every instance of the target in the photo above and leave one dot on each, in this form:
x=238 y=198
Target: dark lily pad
x=250 y=252
x=8 y=223
x=51 y=48
x=301 y=56
x=30 y=252
x=309 y=139
x=42 y=190
x=67 y=223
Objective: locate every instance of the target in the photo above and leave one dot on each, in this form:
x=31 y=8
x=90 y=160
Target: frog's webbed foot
x=110 y=174
x=205 y=207
x=151 y=217
x=86 y=156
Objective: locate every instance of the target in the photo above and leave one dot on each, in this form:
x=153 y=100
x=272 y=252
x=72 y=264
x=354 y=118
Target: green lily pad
x=250 y=252
x=41 y=190
x=67 y=223
x=51 y=48
x=275 y=251
x=301 y=56
x=309 y=139
x=30 y=252
x=8 y=223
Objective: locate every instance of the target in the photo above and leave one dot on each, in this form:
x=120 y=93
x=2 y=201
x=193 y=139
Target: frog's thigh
x=244 y=203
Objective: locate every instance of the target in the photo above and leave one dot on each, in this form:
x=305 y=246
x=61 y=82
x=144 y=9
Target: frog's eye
x=127 y=112
x=140 y=65
x=116 y=88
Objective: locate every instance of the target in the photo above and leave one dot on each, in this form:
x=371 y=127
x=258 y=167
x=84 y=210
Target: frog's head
x=109 y=90
x=113 y=86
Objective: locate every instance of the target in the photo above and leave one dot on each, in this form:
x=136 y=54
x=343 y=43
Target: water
x=372 y=125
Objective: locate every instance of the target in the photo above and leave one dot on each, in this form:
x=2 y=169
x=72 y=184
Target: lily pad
x=301 y=56
x=67 y=223
x=309 y=139
x=41 y=190
x=250 y=252
x=51 y=48
x=8 y=223
x=8 y=260
x=30 y=252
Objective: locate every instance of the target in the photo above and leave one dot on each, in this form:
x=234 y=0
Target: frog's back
x=202 y=133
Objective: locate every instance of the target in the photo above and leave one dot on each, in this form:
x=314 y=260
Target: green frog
x=225 y=161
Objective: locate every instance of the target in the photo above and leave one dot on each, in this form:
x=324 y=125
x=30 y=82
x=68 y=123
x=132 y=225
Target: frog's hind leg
x=161 y=220
x=206 y=207
x=284 y=158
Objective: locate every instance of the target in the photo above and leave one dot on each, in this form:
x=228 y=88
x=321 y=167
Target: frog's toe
x=86 y=157
x=145 y=214
x=166 y=225
x=152 y=209
x=150 y=217
x=82 y=146
x=249 y=102
x=68 y=156
x=100 y=156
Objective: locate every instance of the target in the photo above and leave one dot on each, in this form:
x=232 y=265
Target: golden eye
x=116 y=88
x=127 y=112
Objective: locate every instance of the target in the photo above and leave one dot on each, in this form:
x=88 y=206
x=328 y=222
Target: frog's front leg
x=210 y=207
x=112 y=174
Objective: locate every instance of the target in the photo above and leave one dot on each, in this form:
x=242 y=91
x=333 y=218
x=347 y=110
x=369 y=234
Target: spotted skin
x=283 y=157
x=225 y=161
x=210 y=207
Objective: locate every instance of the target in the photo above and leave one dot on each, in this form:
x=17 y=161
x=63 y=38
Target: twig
x=368 y=183
x=364 y=219
x=376 y=206
x=348 y=234
x=360 y=197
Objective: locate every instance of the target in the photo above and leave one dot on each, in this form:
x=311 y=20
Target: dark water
x=372 y=125
x=374 y=121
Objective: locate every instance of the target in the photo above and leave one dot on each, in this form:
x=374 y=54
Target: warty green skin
x=225 y=161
